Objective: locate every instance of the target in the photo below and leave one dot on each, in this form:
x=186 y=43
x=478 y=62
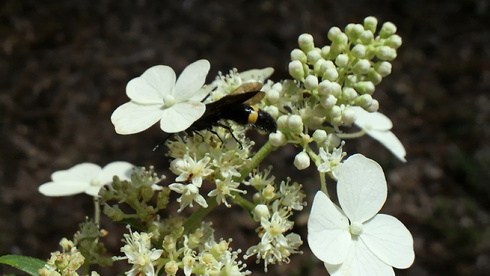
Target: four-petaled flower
x=155 y=95
x=85 y=178
x=378 y=126
x=356 y=240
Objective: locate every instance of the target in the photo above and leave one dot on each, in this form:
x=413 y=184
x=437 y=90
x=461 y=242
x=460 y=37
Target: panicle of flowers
x=276 y=245
x=66 y=262
x=140 y=253
x=137 y=194
x=330 y=80
x=87 y=240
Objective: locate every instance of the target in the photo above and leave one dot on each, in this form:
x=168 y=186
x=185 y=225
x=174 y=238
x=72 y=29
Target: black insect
x=236 y=107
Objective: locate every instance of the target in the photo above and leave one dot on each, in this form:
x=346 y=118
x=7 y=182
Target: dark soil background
x=64 y=66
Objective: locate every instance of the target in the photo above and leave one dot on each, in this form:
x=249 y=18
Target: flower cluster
x=214 y=163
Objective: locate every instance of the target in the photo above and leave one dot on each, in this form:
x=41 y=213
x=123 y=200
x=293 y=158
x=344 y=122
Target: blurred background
x=64 y=66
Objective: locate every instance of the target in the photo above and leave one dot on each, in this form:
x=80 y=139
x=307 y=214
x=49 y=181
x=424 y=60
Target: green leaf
x=26 y=264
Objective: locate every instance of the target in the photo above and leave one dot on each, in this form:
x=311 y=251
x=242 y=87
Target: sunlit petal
x=84 y=172
x=152 y=85
x=191 y=80
x=131 y=118
x=63 y=188
x=391 y=142
x=389 y=240
x=328 y=231
x=361 y=188
x=181 y=116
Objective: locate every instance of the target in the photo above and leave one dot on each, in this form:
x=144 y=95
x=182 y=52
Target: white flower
x=85 y=178
x=140 y=253
x=189 y=193
x=190 y=170
x=356 y=240
x=155 y=95
x=224 y=188
x=378 y=126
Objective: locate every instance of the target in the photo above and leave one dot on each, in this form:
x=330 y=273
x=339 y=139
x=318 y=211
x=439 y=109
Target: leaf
x=27 y=264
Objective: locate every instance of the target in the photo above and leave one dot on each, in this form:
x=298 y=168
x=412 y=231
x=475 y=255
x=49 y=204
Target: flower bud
x=335 y=34
x=277 y=139
x=327 y=87
x=364 y=100
x=272 y=110
x=311 y=82
x=295 y=122
x=383 y=68
x=328 y=101
x=388 y=29
x=374 y=76
x=261 y=211
x=349 y=116
x=386 y=53
x=296 y=70
x=349 y=93
x=365 y=87
x=325 y=52
x=313 y=56
x=342 y=60
x=354 y=30
x=335 y=111
x=297 y=54
x=301 y=161
x=320 y=136
x=305 y=42
x=366 y=37
x=331 y=74
x=269 y=192
x=393 y=41
x=272 y=96
x=362 y=67
x=282 y=121
x=359 y=51
x=171 y=268
x=374 y=106
x=333 y=140
x=370 y=23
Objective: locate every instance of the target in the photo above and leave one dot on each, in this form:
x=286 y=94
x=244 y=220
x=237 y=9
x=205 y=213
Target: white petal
x=361 y=262
x=256 y=74
x=63 y=188
x=84 y=172
x=132 y=118
x=389 y=240
x=191 y=80
x=328 y=231
x=361 y=188
x=152 y=85
x=391 y=142
x=122 y=169
x=180 y=117
x=371 y=120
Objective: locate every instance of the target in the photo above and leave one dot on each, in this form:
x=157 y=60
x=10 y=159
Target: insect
x=236 y=107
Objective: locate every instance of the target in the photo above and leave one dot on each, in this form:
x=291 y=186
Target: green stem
x=256 y=160
x=196 y=218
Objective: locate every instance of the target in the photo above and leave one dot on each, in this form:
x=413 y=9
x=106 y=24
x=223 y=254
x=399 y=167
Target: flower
x=356 y=240
x=155 y=95
x=140 y=254
x=378 y=126
x=85 y=178
x=189 y=193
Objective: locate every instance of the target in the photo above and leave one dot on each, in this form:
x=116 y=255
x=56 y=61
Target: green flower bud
x=370 y=23
x=325 y=52
x=394 y=41
x=297 y=54
x=272 y=110
x=353 y=31
x=386 y=53
x=365 y=87
x=374 y=106
x=388 y=29
x=311 y=82
x=319 y=136
x=362 y=67
x=295 y=122
x=383 y=68
x=366 y=37
x=301 y=161
x=359 y=51
x=335 y=111
x=296 y=70
x=349 y=116
x=306 y=43
x=349 y=93
x=342 y=60
x=277 y=139
x=282 y=121
x=272 y=96
x=374 y=76
x=335 y=34
x=313 y=56
x=331 y=74
x=328 y=102
x=364 y=100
